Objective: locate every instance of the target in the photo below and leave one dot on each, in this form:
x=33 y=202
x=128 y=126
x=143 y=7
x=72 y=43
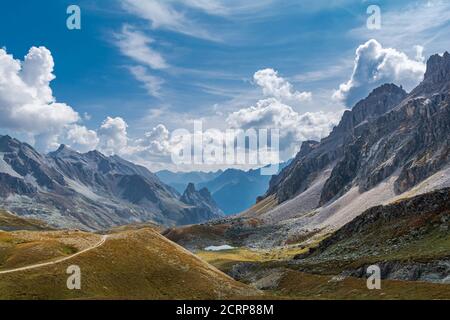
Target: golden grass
x=261 y=207
x=136 y=264
x=23 y=248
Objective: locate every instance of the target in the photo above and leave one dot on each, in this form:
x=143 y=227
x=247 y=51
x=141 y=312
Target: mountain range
x=376 y=191
x=90 y=191
x=233 y=190
x=391 y=145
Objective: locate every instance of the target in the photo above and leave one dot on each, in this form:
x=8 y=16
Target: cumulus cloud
x=157 y=141
x=113 y=136
x=275 y=86
x=294 y=127
x=136 y=45
x=374 y=66
x=81 y=138
x=26 y=99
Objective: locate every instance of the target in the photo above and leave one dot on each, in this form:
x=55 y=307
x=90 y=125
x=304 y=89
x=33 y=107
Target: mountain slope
x=409 y=239
x=11 y=222
x=136 y=264
x=389 y=145
x=89 y=191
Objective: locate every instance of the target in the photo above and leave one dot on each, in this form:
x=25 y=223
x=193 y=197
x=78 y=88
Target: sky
x=139 y=69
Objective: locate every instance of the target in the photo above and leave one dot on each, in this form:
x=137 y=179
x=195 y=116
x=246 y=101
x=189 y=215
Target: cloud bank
x=374 y=66
x=27 y=104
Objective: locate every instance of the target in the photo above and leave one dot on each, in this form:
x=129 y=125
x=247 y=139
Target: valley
x=375 y=192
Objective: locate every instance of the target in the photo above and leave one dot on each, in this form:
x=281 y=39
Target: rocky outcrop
x=314 y=157
x=435 y=271
x=389 y=132
x=437 y=77
x=202 y=201
x=408 y=240
x=436 y=203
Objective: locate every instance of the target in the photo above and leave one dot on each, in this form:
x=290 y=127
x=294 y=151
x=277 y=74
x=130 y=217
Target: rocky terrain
x=409 y=240
x=89 y=191
x=391 y=145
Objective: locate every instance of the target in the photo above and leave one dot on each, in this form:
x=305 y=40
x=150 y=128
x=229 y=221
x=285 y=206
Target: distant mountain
x=89 y=191
x=389 y=145
x=180 y=180
x=233 y=190
x=201 y=199
x=237 y=190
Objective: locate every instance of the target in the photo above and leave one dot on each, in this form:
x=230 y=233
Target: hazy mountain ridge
x=89 y=191
x=233 y=190
x=180 y=180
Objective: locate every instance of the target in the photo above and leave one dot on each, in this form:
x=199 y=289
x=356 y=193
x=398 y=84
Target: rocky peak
x=200 y=199
x=64 y=151
x=438 y=68
x=379 y=101
x=190 y=188
x=204 y=192
x=8 y=144
x=189 y=194
x=436 y=79
x=307 y=147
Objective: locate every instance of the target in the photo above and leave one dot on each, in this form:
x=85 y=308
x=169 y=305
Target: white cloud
x=157 y=141
x=27 y=104
x=113 y=136
x=151 y=83
x=374 y=66
x=275 y=86
x=161 y=14
x=81 y=138
x=294 y=127
x=136 y=45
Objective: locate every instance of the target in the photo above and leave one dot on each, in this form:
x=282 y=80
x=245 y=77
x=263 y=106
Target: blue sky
x=151 y=62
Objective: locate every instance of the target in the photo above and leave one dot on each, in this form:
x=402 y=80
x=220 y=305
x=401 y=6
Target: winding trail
x=40 y=265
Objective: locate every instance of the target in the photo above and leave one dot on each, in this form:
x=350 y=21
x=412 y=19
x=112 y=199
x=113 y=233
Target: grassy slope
x=11 y=222
x=136 y=264
x=23 y=248
x=412 y=231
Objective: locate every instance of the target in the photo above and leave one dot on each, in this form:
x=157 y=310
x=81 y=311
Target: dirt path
x=39 y=265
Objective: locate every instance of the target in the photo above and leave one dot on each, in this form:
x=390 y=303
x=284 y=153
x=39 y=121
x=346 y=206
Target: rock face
x=408 y=240
x=202 y=201
x=314 y=157
x=88 y=191
x=389 y=132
